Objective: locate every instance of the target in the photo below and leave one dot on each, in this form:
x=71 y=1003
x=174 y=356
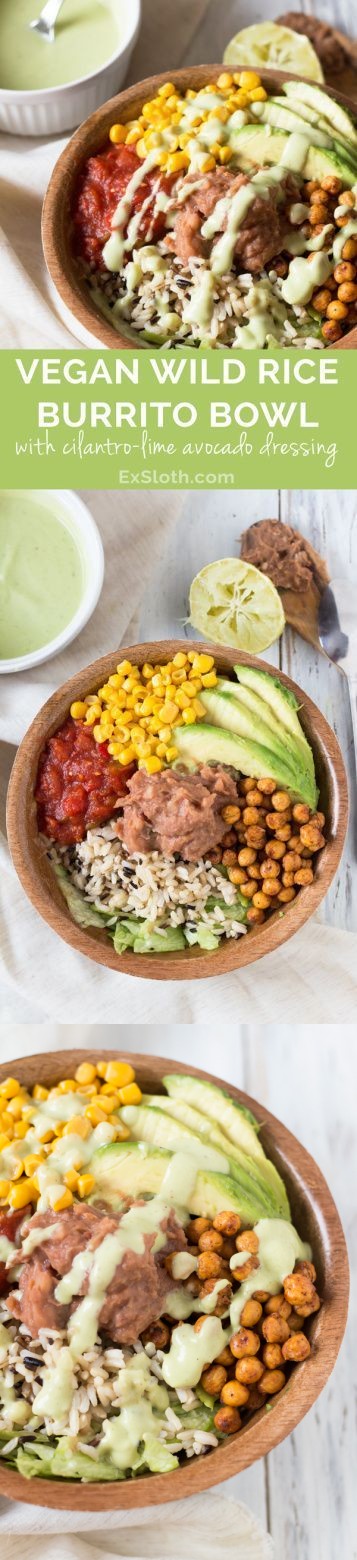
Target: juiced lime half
x=233 y=603
x=268 y=44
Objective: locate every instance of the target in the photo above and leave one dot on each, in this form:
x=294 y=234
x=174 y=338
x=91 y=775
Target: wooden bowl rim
x=45 y=895
x=72 y=291
x=308 y=1379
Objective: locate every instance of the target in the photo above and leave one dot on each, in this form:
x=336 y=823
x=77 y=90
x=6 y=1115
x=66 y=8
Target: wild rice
x=158 y=888
x=96 y=1395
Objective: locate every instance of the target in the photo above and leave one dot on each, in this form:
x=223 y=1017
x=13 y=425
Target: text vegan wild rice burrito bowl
x=210 y=209
x=174 y=814
x=174 y=1280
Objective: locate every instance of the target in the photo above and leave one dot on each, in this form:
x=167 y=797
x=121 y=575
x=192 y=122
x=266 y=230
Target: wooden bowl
x=317 y=1220
x=89 y=139
x=38 y=879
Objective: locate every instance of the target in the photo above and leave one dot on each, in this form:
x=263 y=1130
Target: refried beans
x=175 y=812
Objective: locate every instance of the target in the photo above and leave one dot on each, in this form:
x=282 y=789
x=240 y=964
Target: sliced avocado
x=198 y=1123
x=318 y=100
x=135 y=1169
x=285 y=706
x=262 y=711
x=225 y=710
x=218 y=1106
x=157 y=1127
x=311 y=117
x=271 y=113
x=261 y=145
x=213 y=745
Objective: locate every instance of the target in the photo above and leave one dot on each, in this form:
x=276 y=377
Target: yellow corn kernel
x=177 y=161
x=166 y=90
x=31 y=1163
x=161 y=750
x=199 y=709
x=95 y=1114
x=24 y=1192
x=117 y=134
x=208 y=165
x=64 y=1199
x=108 y=1103
x=5 y=1187
x=78 y=710
x=119 y=1073
x=215 y=150
x=259 y=95
x=85 y=1073
x=77 y=1124
x=225 y=80
x=4 y=1141
x=6 y=1123
x=130 y=1094
x=85 y=1184
x=14 y=1108
x=141 y=147
x=182 y=699
x=67 y=1086
x=102 y=1069
x=152 y=765
x=147 y=670
x=58 y=1129
x=46 y=1135
x=188 y=716
x=204 y=663
x=123 y=668
x=225 y=154
x=171 y=754
x=16 y=1170
x=133 y=136
x=169 y=712
x=180 y=660
x=91 y=717
x=241 y=99
x=9 y=1088
x=249 y=80
x=89 y=1090
x=192 y=688
x=20 y=1129
x=71 y=1180
x=209 y=679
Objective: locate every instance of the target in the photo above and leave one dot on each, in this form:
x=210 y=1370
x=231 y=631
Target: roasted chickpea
x=262 y=1295
x=229 y=858
x=319 y=196
x=251 y=1314
x=331 y=330
x=347 y=292
x=254 y=797
x=286 y=895
x=296 y=1348
x=303 y=877
x=227 y=1420
x=287 y=880
x=309 y=1310
x=317 y=215
x=349 y=251
x=251 y=815
x=280 y=801
x=277 y=1305
x=331 y=184
x=299 y=1289
x=271 y=887
x=273 y=1356
x=275 y=850
x=240 y=875
x=255 y=916
x=243 y=1342
x=272 y=1381
x=159 y=1334
x=266 y=787
x=245 y=785
x=337 y=310
x=234 y=1394
x=301 y=812
x=214 y=856
x=249 y=1370
x=321 y=300
x=210 y=1240
x=311 y=836
x=277 y=821
x=270 y=869
x=247 y=1241
x=275 y=1329
x=214 y=1379
x=248 y=887
x=255 y=872
x=195 y=1228
x=292 y=861
x=303 y=1266
x=209 y=1265
x=284 y=832
x=261 y=901
x=256 y=836
x=227 y=1223
x=312 y=186
x=225 y=1358
x=295 y=1323
x=344 y=272
x=244 y=1270
x=247 y=857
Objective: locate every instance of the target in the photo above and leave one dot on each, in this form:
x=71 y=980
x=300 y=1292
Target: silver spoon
x=46 y=21
x=338 y=606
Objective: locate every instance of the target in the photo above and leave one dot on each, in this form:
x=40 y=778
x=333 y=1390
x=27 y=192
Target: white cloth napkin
x=31 y=315
x=199 y=1529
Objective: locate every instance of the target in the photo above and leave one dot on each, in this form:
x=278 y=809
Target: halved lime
x=233 y=603
x=267 y=44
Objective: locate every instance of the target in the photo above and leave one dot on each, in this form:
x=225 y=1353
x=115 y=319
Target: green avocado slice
x=217 y=1105
x=261 y=146
x=206 y=744
x=155 y=1126
x=135 y=1169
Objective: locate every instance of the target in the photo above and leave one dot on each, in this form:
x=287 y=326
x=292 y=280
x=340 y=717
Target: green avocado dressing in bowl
x=87 y=34
x=51 y=573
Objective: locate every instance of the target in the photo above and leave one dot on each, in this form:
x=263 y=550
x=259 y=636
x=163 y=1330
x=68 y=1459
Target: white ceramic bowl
x=86 y=535
x=50 y=110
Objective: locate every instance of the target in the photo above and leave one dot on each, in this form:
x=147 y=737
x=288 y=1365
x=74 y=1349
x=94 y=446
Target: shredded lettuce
x=63 y=1461
x=81 y=909
x=142 y=938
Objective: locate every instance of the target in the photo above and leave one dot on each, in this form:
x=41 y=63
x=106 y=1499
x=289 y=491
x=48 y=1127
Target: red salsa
x=78 y=783
x=101 y=185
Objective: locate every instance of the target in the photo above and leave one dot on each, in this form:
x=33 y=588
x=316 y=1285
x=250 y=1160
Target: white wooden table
x=304 y=1492
x=208 y=529
x=223 y=18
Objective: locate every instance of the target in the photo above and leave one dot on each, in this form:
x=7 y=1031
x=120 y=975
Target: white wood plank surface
x=304 y=1491
x=223 y=18
x=208 y=528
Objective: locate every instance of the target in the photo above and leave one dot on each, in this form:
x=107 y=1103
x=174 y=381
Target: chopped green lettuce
x=155 y=1456
x=142 y=938
x=62 y=1461
x=82 y=911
